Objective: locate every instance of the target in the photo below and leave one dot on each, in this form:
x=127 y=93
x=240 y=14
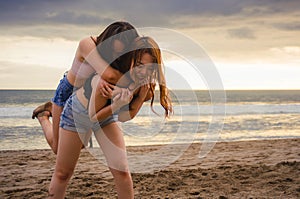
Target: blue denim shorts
x=63 y=91
x=75 y=117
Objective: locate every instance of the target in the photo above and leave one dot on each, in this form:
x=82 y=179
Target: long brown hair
x=144 y=45
x=122 y=31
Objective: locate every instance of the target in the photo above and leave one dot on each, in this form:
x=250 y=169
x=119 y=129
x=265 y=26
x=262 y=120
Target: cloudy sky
x=253 y=44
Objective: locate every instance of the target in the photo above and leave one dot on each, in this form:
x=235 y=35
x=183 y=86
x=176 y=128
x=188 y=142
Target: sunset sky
x=253 y=44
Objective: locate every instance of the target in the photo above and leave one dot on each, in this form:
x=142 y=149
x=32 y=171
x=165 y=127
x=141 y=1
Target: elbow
x=125 y=118
x=110 y=77
x=122 y=118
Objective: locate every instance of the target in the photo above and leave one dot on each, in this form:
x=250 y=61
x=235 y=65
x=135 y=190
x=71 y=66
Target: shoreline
x=183 y=143
x=259 y=169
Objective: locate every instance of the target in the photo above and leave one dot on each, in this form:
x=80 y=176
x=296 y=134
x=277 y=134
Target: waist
x=81 y=98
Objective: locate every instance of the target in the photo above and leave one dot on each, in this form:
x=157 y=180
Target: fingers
x=117 y=97
x=105 y=88
x=145 y=84
x=126 y=96
x=108 y=91
x=104 y=93
x=129 y=95
x=111 y=86
x=106 y=84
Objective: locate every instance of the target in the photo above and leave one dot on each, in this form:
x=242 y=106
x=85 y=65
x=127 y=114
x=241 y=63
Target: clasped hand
x=123 y=97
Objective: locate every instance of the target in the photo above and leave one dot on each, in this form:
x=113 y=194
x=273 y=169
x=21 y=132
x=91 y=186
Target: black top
x=88 y=89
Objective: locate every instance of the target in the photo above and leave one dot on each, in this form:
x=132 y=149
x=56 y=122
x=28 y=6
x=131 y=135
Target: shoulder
x=86 y=43
x=85 y=46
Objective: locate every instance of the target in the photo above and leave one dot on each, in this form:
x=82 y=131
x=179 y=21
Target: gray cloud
x=289 y=26
x=31 y=12
x=50 y=18
x=141 y=13
x=241 y=33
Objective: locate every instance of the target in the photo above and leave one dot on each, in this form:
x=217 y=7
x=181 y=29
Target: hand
x=105 y=88
x=122 y=98
x=116 y=91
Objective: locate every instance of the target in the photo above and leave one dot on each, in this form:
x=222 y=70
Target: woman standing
x=82 y=109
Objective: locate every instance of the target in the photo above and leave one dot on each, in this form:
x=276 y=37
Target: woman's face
x=118 y=48
x=143 y=69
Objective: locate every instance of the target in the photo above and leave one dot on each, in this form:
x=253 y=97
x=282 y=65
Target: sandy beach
x=247 y=169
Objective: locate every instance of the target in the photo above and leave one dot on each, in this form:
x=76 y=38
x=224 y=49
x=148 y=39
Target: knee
x=121 y=175
x=119 y=166
x=63 y=175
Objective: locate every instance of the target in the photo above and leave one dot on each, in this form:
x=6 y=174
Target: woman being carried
x=111 y=45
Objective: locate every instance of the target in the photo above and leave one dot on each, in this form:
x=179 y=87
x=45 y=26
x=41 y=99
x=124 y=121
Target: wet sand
x=248 y=169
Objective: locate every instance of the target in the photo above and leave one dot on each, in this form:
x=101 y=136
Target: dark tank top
x=88 y=89
x=88 y=86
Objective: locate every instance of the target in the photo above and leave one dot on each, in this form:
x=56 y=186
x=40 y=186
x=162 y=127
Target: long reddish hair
x=144 y=45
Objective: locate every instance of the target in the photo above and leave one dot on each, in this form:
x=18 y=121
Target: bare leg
x=112 y=143
x=51 y=130
x=46 y=124
x=85 y=138
x=67 y=156
x=56 y=112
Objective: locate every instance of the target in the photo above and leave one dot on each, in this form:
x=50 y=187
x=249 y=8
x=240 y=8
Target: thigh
x=111 y=140
x=69 y=146
x=85 y=137
x=56 y=112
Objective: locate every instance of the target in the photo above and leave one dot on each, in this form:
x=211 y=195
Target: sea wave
x=182 y=110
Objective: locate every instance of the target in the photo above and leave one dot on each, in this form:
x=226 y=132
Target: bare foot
x=44 y=107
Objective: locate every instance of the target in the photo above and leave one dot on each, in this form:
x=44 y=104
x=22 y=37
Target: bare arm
x=135 y=105
x=87 y=51
x=97 y=109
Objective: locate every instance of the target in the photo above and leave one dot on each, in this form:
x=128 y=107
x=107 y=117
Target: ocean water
x=249 y=115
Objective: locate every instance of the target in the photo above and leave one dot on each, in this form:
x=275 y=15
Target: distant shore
x=257 y=169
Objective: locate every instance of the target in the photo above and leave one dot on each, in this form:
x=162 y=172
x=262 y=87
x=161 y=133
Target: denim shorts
x=63 y=91
x=75 y=117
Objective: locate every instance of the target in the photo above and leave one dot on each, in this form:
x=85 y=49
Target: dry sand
x=248 y=169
